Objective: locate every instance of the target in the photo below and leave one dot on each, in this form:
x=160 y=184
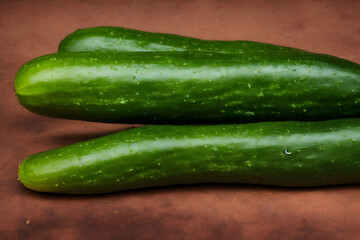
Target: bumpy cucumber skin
x=190 y=87
x=104 y=39
x=293 y=154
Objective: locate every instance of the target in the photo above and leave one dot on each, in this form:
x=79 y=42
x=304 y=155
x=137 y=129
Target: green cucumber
x=293 y=154
x=103 y=39
x=190 y=87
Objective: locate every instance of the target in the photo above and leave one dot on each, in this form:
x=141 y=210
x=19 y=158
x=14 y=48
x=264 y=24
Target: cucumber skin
x=190 y=87
x=104 y=39
x=290 y=154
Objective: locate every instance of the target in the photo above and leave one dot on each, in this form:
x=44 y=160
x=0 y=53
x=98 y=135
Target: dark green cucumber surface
x=103 y=39
x=296 y=154
x=190 y=87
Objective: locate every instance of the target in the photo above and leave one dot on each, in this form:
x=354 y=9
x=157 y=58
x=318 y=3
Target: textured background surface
x=33 y=28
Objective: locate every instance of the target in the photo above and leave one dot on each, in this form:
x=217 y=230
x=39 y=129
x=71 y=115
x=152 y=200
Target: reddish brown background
x=32 y=28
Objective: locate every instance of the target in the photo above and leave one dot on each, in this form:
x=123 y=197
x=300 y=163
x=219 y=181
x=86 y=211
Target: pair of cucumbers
x=120 y=75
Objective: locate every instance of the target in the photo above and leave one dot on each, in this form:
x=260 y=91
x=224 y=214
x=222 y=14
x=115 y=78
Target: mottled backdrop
x=29 y=29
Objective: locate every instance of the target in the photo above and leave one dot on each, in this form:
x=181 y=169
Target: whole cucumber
x=296 y=154
x=103 y=39
x=190 y=87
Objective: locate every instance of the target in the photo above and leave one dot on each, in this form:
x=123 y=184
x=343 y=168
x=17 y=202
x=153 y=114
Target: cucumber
x=103 y=39
x=190 y=87
x=291 y=154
